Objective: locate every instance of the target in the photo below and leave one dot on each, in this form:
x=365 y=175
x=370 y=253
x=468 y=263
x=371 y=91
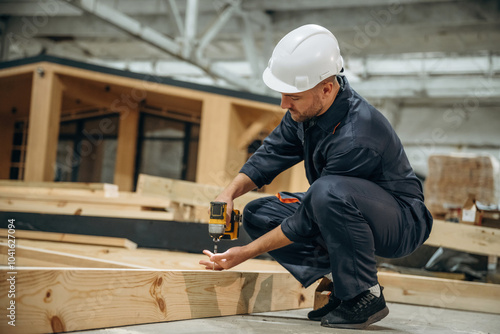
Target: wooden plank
x=23 y=256
x=126 y=149
x=439 y=292
x=56 y=300
x=19 y=70
x=80 y=209
x=72 y=238
x=123 y=199
x=138 y=84
x=151 y=258
x=43 y=132
x=186 y=192
x=108 y=188
x=48 y=191
x=466 y=238
x=85 y=91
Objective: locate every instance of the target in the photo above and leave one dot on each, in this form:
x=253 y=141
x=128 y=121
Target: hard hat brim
x=277 y=85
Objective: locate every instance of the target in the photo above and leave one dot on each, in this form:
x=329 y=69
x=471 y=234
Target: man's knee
x=256 y=215
x=330 y=189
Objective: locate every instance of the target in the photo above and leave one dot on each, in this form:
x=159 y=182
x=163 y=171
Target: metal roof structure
x=431 y=66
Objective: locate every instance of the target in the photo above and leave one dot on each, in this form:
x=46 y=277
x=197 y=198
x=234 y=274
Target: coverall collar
x=329 y=120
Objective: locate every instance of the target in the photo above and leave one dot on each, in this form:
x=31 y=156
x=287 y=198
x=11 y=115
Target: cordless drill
x=217 y=227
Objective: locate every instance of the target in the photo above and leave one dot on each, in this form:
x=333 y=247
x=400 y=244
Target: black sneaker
x=357 y=313
x=333 y=303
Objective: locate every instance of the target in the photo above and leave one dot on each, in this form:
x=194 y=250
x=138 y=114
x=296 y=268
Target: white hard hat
x=302 y=59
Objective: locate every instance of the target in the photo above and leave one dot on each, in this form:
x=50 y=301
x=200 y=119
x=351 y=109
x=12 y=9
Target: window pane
x=155 y=127
x=162 y=158
x=64 y=160
x=88 y=156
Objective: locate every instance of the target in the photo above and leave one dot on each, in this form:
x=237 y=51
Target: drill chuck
x=216 y=231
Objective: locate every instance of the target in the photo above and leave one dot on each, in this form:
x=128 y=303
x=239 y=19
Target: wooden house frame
x=44 y=90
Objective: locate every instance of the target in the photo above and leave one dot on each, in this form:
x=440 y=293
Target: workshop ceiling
x=431 y=66
x=401 y=49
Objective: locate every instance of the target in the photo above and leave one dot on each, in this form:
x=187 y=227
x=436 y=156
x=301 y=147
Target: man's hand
x=230 y=205
x=239 y=186
x=230 y=258
x=233 y=256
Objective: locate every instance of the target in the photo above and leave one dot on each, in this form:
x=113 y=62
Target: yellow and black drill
x=217 y=227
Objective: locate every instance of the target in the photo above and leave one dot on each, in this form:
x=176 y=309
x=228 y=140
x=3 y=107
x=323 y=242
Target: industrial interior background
x=431 y=66
x=127 y=100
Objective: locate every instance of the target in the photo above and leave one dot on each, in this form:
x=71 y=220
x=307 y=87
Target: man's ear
x=328 y=88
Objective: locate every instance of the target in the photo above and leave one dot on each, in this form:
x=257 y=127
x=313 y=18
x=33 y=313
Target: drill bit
x=215 y=252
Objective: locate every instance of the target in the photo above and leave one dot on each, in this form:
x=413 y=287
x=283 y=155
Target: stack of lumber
x=156 y=198
x=452 y=178
x=191 y=200
x=68 y=286
x=85 y=199
x=86 y=282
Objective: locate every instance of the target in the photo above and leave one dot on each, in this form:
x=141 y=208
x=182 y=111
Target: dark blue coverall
x=364 y=198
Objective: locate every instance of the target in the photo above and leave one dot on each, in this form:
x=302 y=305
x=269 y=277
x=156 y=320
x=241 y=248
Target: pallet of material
x=452 y=178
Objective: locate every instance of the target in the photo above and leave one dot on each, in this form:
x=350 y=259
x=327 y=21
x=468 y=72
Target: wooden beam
x=212 y=166
x=109 y=189
x=433 y=292
x=127 y=149
x=151 y=258
x=72 y=238
x=129 y=199
x=251 y=133
x=15 y=191
x=466 y=238
x=186 y=192
x=59 y=300
x=25 y=255
x=19 y=70
x=43 y=131
x=439 y=292
x=63 y=207
x=84 y=90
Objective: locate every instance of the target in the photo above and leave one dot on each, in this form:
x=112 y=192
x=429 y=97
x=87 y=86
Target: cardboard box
x=470 y=213
x=475 y=213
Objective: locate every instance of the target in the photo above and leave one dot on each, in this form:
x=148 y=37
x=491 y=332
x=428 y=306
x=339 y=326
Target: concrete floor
x=401 y=319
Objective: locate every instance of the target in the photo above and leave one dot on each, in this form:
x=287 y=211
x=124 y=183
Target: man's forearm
x=240 y=185
x=272 y=240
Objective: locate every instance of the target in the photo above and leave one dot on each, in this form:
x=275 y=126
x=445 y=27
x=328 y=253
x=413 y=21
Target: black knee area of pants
x=255 y=222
